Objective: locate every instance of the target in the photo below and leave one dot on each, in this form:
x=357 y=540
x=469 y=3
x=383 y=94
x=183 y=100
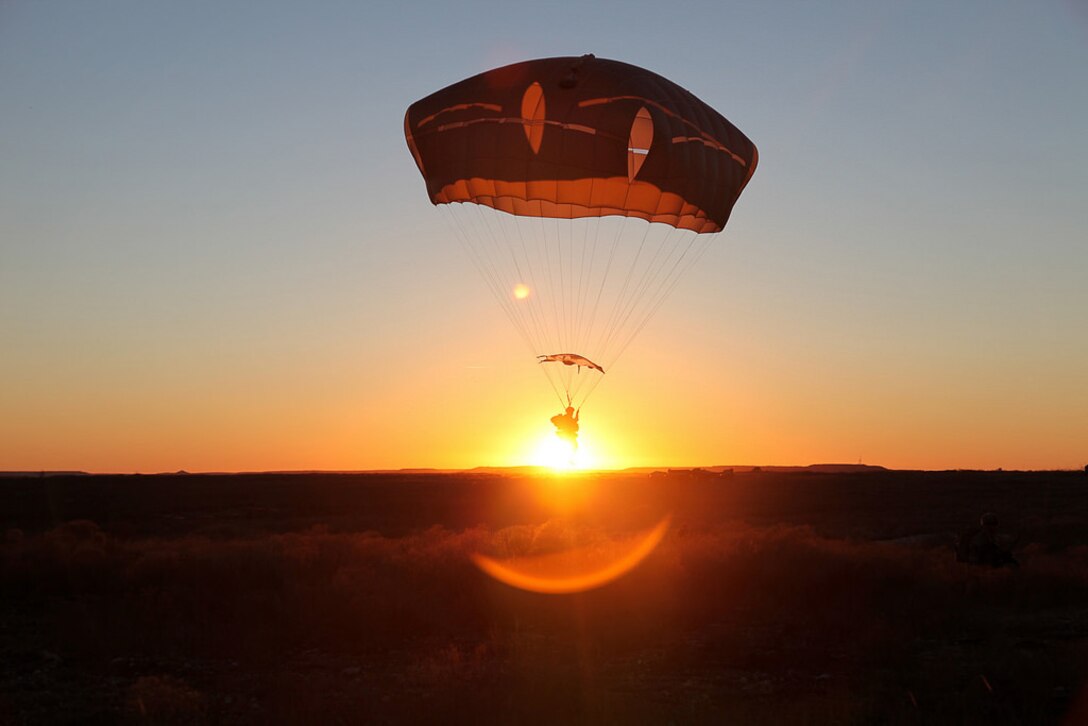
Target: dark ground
x=775 y=598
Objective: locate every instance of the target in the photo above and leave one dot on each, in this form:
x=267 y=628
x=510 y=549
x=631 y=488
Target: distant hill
x=744 y=468
x=497 y=471
x=843 y=468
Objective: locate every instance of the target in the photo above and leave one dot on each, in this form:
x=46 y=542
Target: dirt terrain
x=807 y=597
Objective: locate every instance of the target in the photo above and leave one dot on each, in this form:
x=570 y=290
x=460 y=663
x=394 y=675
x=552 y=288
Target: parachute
x=582 y=189
x=569 y=359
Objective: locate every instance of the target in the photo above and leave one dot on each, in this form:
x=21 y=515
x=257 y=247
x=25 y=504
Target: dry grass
x=756 y=624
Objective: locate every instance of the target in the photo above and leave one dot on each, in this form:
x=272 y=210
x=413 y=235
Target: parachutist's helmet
x=570 y=410
x=988 y=520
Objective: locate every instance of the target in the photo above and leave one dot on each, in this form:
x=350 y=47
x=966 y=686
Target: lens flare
x=567 y=572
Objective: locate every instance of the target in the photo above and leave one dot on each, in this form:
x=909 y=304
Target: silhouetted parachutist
x=566 y=426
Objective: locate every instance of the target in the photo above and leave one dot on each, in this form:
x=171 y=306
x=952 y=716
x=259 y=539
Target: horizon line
x=532 y=468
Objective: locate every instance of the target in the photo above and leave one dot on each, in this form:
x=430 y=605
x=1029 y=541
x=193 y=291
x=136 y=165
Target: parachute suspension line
x=553 y=251
x=575 y=273
x=571 y=275
x=620 y=228
x=665 y=280
x=489 y=275
x=568 y=294
x=592 y=387
x=505 y=249
x=573 y=380
x=549 y=272
x=549 y=291
x=486 y=268
x=586 y=276
x=567 y=238
x=577 y=291
x=517 y=277
x=621 y=298
x=645 y=289
x=546 y=329
x=564 y=341
x=657 y=281
x=582 y=380
x=546 y=294
x=593 y=333
x=670 y=285
x=583 y=330
x=555 y=389
x=700 y=243
x=494 y=258
x=483 y=266
x=533 y=298
x=564 y=296
x=638 y=295
x=587 y=324
x=604 y=280
x=581 y=280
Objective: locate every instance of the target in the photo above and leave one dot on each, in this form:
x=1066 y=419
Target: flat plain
x=807 y=597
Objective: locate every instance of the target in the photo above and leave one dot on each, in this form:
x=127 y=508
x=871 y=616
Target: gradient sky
x=217 y=254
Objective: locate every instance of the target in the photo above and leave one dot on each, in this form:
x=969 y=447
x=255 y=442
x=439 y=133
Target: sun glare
x=556 y=454
x=521 y=291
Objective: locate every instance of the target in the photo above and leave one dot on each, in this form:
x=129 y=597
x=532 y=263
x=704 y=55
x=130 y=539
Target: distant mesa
x=728 y=471
x=698 y=471
x=842 y=468
x=39 y=474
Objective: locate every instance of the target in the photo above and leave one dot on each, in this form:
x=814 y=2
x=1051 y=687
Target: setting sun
x=521 y=291
x=556 y=454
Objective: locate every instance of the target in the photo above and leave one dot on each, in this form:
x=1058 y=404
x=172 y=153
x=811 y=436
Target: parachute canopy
x=580 y=137
x=569 y=359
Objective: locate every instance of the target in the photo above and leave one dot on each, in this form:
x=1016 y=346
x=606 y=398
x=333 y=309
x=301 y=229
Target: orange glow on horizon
x=566 y=572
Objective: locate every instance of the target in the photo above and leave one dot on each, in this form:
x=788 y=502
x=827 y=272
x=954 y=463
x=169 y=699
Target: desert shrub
x=164 y=700
x=355 y=589
x=76 y=557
